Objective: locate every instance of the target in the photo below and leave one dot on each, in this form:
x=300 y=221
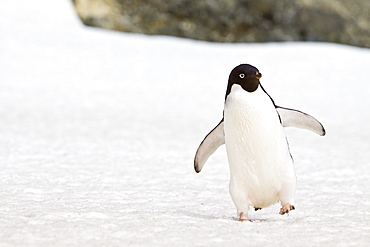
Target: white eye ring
x=241 y=75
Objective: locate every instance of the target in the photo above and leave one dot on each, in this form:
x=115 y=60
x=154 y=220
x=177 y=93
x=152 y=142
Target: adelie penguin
x=261 y=166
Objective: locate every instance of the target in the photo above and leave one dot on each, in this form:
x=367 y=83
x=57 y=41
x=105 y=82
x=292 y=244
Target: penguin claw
x=242 y=220
x=286 y=209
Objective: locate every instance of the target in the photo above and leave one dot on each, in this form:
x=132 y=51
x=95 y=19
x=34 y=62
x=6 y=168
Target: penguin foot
x=243 y=217
x=286 y=209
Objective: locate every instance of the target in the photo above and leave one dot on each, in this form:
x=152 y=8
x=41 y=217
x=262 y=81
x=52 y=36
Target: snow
x=98 y=131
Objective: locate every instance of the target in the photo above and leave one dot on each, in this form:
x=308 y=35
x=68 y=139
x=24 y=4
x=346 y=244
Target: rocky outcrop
x=341 y=21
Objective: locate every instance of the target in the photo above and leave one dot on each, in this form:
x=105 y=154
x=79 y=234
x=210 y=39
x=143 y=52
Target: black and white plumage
x=261 y=167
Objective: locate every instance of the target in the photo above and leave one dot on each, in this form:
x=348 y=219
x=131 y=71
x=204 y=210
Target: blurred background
x=339 y=21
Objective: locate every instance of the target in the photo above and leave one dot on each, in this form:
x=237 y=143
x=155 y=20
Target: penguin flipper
x=209 y=145
x=295 y=118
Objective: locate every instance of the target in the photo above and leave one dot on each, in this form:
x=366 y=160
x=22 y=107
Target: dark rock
x=340 y=21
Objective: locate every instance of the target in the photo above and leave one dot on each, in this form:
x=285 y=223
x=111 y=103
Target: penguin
x=252 y=129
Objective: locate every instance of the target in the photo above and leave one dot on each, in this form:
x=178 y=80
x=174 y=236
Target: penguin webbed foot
x=256 y=209
x=286 y=209
x=243 y=217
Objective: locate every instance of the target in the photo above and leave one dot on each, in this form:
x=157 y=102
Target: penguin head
x=245 y=75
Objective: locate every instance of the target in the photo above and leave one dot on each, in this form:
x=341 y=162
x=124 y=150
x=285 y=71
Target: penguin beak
x=258 y=75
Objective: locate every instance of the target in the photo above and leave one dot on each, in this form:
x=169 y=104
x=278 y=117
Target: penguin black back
x=245 y=75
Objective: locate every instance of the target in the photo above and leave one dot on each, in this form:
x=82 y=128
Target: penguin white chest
x=261 y=167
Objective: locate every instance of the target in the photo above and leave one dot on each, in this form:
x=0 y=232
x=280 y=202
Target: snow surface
x=98 y=131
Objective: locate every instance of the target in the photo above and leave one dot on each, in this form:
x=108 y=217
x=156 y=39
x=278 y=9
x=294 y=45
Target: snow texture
x=98 y=132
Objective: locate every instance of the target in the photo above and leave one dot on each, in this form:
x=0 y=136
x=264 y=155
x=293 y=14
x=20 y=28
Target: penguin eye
x=241 y=75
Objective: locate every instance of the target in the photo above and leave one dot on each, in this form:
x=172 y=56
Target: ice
x=98 y=132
